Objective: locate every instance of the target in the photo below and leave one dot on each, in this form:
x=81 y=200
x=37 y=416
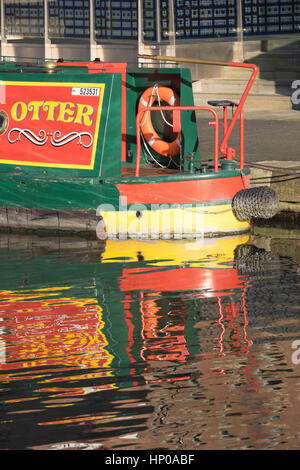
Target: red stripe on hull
x=188 y=191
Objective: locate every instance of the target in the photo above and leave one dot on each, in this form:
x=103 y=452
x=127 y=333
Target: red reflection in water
x=62 y=331
x=204 y=280
x=164 y=337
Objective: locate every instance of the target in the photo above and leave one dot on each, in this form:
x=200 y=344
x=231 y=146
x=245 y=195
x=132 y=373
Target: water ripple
x=167 y=345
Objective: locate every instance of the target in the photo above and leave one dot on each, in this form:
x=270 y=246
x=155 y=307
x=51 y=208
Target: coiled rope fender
x=261 y=202
x=152 y=94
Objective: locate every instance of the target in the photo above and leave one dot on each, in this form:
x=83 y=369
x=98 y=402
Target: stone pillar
x=172 y=32
x=238 y=47
x=3 y=34
x=93 y=43
x=47 y=41
x=141 y=45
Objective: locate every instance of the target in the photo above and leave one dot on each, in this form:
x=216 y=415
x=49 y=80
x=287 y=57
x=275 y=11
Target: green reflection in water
x=143 y=339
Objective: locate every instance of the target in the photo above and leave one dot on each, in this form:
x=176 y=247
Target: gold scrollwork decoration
x=3 y=121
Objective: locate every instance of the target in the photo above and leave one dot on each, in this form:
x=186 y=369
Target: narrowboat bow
x=100 y=146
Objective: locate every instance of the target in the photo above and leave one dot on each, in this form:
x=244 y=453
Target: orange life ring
x=152 y=94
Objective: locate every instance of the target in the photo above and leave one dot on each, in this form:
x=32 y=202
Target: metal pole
x=47 y=42
x=240 y=32
x=158 y=27
x=185 y=60
x=3 y=35
x=172 y=27
x=141 y=45
x=93 y=44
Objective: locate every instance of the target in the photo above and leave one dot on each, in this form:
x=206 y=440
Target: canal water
x=137 y=345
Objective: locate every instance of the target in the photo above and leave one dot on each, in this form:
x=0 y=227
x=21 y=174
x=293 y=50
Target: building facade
x=119 y=30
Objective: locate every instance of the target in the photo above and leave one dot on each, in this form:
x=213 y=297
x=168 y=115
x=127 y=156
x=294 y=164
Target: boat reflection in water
x=120 y=318
x=160 y=279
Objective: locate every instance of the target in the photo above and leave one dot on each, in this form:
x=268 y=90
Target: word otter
x=53 y=111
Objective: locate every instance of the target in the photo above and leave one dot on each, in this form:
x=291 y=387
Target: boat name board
x=40 y=120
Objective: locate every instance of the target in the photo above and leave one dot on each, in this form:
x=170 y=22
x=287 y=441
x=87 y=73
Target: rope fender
x=261 y=202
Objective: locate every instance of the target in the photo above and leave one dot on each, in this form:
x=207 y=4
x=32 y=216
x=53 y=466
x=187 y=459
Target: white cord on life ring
x=159 y=93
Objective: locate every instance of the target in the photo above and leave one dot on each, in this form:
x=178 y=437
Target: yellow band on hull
x=172 y=221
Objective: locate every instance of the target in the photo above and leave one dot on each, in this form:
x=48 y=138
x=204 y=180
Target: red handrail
x=176 y=108
x=239 y=110
x=225 y=150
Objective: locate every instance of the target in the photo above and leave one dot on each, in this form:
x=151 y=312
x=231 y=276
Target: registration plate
x=85 y=91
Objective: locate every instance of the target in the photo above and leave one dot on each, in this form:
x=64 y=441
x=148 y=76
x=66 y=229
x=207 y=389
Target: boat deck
x=129 y=172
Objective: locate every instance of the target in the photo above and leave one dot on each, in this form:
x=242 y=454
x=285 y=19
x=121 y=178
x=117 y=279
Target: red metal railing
x=226 y=151
x=177 y=109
